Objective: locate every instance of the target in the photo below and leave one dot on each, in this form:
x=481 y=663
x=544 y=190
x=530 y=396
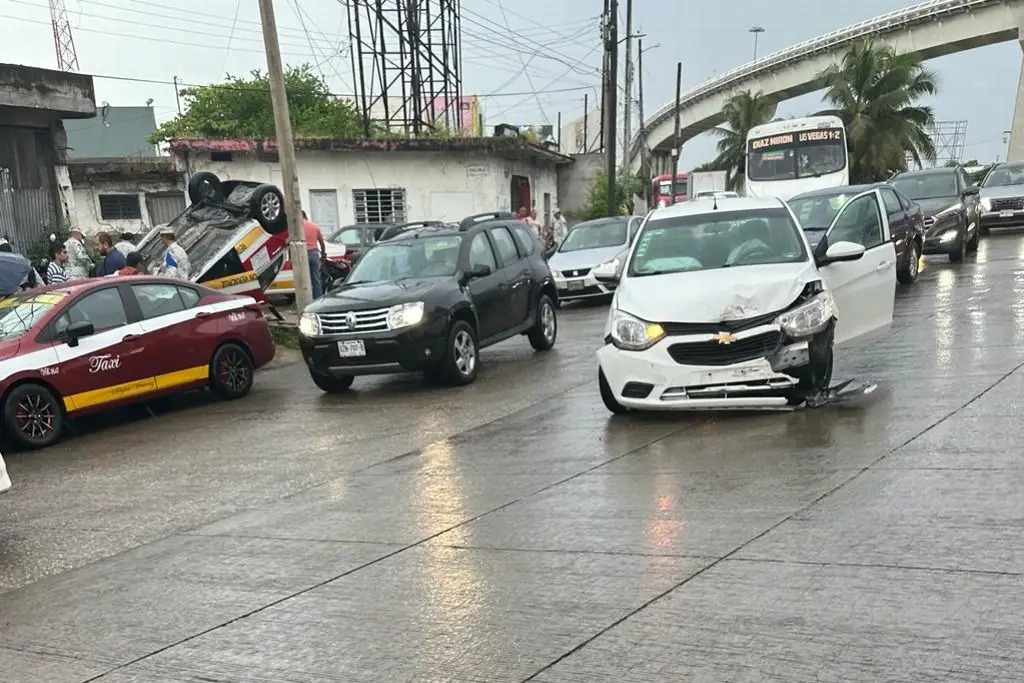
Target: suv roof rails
x=393 y=230
x=469 y=221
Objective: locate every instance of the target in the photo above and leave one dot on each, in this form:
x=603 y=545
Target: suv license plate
x=1006 y=214
x=575 y=285
x=351 y=349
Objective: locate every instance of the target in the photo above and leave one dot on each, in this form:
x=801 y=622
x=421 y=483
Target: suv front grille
x=375 y=320
x=715 y=353
x=1008 y=204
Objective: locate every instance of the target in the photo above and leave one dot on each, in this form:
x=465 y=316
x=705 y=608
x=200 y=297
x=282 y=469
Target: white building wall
x=87 y=205
x=438 y=185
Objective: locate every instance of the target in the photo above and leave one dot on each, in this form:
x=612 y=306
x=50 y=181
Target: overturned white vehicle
x=723 y=304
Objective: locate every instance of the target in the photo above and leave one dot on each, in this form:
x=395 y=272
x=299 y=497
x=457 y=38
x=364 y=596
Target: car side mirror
x=841 y=252
x=607 y=273
x=972 y=191
x=76 y=331
x=478 y=271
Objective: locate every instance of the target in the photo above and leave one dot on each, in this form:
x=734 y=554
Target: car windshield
x=414 y=257
x=1004 y=176
x=599 y=234
x=929 y=186
x=19 y=314
x=817 y=212
x=722 y=239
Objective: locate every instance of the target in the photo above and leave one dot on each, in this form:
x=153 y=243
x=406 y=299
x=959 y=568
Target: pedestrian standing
x=531 y=220
x=126 y=244
x=315 y=250
x=79 y=264
x=175 y=263
x=56 y=272
x=113 y=260
x=561 y=228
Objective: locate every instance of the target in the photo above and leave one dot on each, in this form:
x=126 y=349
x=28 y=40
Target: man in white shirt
x=175 y=262
x=561 y=228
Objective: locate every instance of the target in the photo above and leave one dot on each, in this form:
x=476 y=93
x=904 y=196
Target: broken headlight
x=633 y=334
x=808 y=318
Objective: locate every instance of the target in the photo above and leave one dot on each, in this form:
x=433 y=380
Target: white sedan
x=726 y=305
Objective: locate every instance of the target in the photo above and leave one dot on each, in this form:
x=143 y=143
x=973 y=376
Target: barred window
x=379 y=206
x=115 y=207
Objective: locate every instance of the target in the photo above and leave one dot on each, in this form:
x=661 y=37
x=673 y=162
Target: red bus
x=661 y=190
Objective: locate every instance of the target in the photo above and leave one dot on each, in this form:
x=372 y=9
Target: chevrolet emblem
x=725 y=338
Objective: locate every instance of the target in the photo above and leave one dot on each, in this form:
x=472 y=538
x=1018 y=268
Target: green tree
x=710 y=166
x=627 y=186
x=876 y=93
x=743 y=111
x=241 y=108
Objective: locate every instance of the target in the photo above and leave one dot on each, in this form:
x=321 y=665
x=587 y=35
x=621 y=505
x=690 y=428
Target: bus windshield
x=800 y=154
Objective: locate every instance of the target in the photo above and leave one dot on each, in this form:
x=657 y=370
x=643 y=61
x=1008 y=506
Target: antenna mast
x=63 y=41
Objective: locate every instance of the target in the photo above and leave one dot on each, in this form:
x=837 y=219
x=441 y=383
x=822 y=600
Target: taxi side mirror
x=76 y=331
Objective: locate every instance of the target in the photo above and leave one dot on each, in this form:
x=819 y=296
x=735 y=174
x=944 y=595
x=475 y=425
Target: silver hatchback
x=588 y=245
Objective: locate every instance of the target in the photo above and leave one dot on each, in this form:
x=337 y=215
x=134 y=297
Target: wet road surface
x=514 y=531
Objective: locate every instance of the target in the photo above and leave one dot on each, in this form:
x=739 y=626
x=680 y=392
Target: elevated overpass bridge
x=929 y=29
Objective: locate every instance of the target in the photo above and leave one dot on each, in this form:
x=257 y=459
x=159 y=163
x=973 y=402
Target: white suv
x=724 y=304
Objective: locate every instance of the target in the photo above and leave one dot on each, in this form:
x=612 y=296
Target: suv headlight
x=986 y=203
x=405 y=315
x=808 y=318
x=632 y=333
x=951 y=210
x=309 y=324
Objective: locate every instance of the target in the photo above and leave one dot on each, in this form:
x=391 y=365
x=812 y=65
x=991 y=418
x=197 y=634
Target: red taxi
x=89 y=345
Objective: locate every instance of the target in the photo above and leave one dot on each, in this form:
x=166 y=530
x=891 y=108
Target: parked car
x=343 y=247
x=818 y=209
x=586 y=246
x=428 y=299
x=730 y=308
x=234 y=232
x=1002 y=197
x=90 y=345
x=951 y=207
x=5 y=479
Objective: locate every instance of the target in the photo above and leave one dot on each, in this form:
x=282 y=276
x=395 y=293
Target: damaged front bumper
x=671 y=376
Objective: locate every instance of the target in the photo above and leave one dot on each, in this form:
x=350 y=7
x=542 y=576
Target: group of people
x=71 y=260
x=549 y=235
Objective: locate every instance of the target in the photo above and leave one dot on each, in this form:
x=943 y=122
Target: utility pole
x=586 y=129
x=177 y=95
x=286 y=151
x=675 y=139
x=757 y=31
x=627 y=114
x=643 y=129
x=611 y=93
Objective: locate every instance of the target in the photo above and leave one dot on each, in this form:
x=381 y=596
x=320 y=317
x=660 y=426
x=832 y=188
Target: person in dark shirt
x=113 y=259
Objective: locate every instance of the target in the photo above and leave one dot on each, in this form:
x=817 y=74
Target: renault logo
x=724 y=338
x=350 y=320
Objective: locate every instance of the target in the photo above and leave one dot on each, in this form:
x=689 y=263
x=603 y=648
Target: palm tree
x=743 y=111
x=875 y=92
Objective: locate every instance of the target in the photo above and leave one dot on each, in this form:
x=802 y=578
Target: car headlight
x=613 y=264
x=405 y=315
x=808 y=318
x=309 y=324
x=950 y=211
x=949 y=235
x=632 y=333
x=986 y=203
x=556 y=274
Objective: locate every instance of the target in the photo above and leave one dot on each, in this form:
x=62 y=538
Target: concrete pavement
x=514 y=531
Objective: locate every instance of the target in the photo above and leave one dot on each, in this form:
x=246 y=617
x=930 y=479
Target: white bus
x=786 y=158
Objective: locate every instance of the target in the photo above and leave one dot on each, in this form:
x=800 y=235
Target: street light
x=756 y=30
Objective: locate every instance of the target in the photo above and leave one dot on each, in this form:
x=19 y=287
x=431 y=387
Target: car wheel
x=33 y=416
x=959 y=252
x=267 y=206
x=463 y=357
x=542 y=335
x=231 y=372
x=985 y=231
x=907 y=274
x=610 y=402
x=332 y=384
x=204 y=186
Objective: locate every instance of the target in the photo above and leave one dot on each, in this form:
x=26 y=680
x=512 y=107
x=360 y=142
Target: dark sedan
x=817 y=210
x=951 y=209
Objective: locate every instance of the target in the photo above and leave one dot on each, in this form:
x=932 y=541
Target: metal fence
x=25 y=214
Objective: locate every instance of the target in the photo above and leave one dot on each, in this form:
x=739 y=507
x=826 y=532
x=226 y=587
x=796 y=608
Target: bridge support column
x=1016 y=148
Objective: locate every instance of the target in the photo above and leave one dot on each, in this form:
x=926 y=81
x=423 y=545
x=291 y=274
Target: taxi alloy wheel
x=231 y=372
x=33 y=416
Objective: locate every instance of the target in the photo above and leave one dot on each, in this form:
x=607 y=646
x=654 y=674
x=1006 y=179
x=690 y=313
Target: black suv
x=951 y=208
x=428 y=299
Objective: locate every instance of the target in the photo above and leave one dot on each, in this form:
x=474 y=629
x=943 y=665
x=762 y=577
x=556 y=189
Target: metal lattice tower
x=63 y=41
x=406 y=63
x=949 y=138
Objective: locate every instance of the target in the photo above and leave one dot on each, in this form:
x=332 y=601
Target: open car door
x=865 y=289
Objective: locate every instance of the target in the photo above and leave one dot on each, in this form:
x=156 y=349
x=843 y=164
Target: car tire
x=462 y=357
x=33 y=416
x=959 y=253
x=972 y=245
x=204 y=186
x=543 y=334
x=231 y=372
x=908 y=271
x=332 y=384
x=985 y=231
x=266 y=205
x=610 y=402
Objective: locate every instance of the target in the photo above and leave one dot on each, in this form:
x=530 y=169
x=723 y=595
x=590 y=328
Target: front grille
x=375 y=320
x=680 y=329
x=714 y=353
x=579 y=272
x=1008 y=204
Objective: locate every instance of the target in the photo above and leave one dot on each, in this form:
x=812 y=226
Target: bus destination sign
x=788 y=140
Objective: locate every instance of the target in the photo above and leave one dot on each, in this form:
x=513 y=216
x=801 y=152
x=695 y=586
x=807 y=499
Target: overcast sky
x=554 y=52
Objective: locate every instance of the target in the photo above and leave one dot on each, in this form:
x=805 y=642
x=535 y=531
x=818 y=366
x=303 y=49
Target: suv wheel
x=463 y=357
x=542 y=335
x=610 y=402
x=332 y=384
x=908 y=271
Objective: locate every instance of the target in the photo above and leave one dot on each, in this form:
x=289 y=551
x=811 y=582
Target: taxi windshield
x=19 y=314
x=414 y=257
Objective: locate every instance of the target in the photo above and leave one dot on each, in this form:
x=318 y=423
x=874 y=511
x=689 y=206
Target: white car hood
x=711 y=296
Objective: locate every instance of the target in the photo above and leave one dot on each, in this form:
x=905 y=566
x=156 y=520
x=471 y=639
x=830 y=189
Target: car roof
x=424 y=231
x=940 y=170
x=74 y=287
x=842 y=189
x=702 y=206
